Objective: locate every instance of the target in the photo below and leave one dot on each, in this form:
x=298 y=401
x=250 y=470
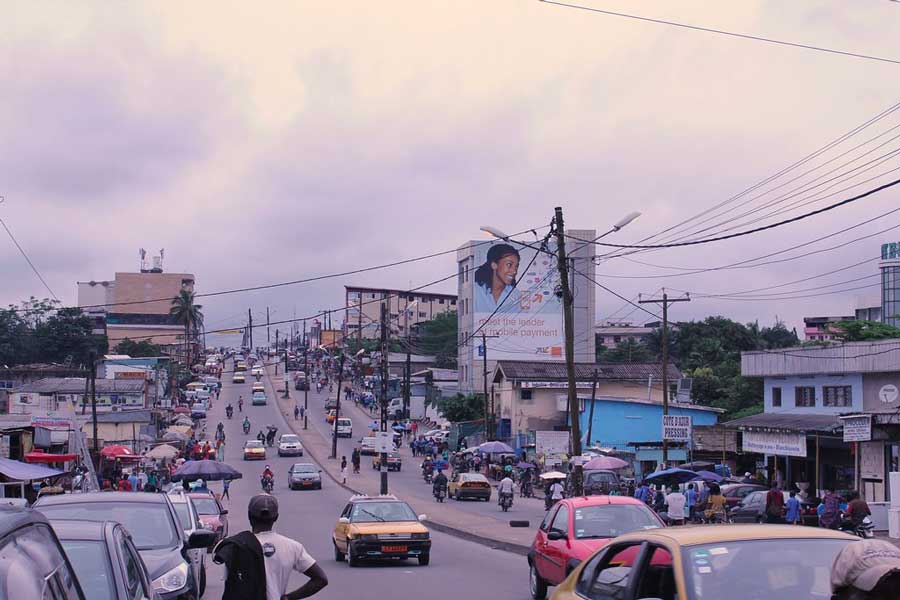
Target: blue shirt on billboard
x=484 y=298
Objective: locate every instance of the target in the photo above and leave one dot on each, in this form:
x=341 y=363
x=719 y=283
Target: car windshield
x=91 y=563
x=206 y=506
x=775 y=569
x=611 y=520
x=253 y=444
x=290 y=438
x=304 y=469
x=150 y=524
x=378 y=512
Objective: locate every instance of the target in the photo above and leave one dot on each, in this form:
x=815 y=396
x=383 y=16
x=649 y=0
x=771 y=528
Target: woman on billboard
x=496 y=278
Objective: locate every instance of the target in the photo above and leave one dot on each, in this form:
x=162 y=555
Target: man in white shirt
x=676 y=502
x=556 y=491
x=282 y=555
x=505 y=487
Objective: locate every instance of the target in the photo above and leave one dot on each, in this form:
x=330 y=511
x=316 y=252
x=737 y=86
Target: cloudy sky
x=259 y=145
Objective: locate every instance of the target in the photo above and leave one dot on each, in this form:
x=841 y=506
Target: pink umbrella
x=607 y=463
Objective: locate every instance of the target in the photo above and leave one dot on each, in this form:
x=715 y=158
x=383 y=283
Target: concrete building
x=890 y=283
x=362 y=313
x=818 y=328
x=610 y=334
x=522 y=321
x=68 y=395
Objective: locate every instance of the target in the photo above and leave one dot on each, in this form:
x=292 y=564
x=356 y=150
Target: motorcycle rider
x=857 y=509
x=525 y=487
x=246 y=424
x=229 y=410
x=240 y=404
x=261 y=436
x=427 y=468
x=440 y=483
x=270 y=437
x=505 y=489
x=267 y=476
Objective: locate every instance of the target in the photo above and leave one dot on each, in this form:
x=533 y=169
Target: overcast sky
x=259 y=145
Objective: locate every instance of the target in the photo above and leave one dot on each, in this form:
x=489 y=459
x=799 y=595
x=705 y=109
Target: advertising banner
x=781 y=444
x=528 y=324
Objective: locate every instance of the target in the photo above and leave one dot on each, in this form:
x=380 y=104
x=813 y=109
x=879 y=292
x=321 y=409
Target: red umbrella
x=39 y=456
x=183 y=410
x=606 y=463
x=116 y=451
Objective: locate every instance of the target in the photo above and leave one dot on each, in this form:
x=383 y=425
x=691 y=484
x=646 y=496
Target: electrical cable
x=25 y=256
x=744 y=36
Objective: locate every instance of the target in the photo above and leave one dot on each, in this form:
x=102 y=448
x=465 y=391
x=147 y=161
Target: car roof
x=13 y=517
x=710 y=534
x=93 y=497
x=472 y=476
x=304 y=465
x=379 y=498
x=602 y=500
x=69 y=529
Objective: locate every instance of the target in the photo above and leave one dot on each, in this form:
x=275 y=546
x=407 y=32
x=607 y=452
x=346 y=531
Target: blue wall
x=616 y=422
x=787 y=385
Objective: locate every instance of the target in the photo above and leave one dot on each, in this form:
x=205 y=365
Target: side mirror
x=423 y=517
x=555 y=536
x=320 y=470
x=202 y=538
x=224 y=511
x=344 y=521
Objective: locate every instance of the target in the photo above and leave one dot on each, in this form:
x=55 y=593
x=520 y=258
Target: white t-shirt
x=506 y=486
x=556 y=492
x=282 y=556
x=676 y=502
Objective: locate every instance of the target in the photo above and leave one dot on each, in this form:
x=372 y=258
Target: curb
x=492 y=543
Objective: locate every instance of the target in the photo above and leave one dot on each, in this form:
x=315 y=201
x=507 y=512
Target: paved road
x=458 y=569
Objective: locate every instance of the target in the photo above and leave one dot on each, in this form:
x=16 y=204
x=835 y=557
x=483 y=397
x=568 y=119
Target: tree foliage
x=188 y=314
x=461 y=407
x=628 y=350
x=137 y=349
x=438 y=337
x=863 y=331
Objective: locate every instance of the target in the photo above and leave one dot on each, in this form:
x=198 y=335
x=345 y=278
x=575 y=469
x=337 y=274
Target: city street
x=457 y=566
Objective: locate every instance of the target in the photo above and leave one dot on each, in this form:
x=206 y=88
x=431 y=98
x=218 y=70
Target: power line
x=744 y=36
x=616 y=294
x=25 y=255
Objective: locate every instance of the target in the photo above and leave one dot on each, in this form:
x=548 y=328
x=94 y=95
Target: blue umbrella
x=671 y=476
x=209 y=470
x=707 y=476
x=525 y=465
x=495 y=448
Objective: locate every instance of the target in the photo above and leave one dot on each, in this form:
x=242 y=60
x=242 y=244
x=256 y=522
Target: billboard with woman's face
x=523 y=283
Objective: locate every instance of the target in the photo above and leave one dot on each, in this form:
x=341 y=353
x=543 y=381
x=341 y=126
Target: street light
x=626 y=220
x=494 y=232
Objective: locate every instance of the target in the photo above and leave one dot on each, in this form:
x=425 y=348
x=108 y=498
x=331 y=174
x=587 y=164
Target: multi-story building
x=819 y=329
x=362 y=314
x=890 y=283
x=610 y=334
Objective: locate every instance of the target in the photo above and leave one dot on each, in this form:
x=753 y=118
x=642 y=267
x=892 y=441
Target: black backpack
x=242 y=556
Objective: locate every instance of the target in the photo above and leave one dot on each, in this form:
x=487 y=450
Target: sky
x=309 y=138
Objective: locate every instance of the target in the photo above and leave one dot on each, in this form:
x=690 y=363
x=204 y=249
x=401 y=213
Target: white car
x=367 y=445
x=344 y=427
x=289 y=445
x=257 y=371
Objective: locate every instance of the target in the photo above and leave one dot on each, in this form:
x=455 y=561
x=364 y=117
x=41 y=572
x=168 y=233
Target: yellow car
x=237 y=378
x=254 y=450
x=331 y=416
x=380 y=528
x=469 y=485
x=775 y=562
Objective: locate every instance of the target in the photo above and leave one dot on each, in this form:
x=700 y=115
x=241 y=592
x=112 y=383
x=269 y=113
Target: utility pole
x=287 y=393
x=665 y=301
x=276 y=350
x=593 y=399
x=569 y=327
x=359 y=306
x=337 y=408
x=306 y=387
x=250 y=328
x=93 y=357
x=488 y=417
x=384 y=391
x=268 y=332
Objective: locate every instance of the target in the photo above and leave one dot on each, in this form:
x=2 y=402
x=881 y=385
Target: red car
x=211 y=514
x=575 y=528
x=735 y=492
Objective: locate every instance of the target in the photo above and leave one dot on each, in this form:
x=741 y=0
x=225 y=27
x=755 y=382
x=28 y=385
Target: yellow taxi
x=238 y=377
x=775 y=562
x=469 y=485
x=380 y=528
x=254 y=450
x=332 y=414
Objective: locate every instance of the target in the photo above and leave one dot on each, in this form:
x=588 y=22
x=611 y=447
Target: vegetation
x=461 y=407
x=188 y=314
x=38 y=331
x=138 y=349
x=863 y=331
x=438 y=338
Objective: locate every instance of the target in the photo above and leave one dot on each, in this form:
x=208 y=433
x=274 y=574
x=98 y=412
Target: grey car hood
x=160 y=561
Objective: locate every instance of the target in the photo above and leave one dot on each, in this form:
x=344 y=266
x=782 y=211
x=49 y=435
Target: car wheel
x=202 y=580
x=424 y=559
x=338 y=555
x=351 y=559
x=536 y=584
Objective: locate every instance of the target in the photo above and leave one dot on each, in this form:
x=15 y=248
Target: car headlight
x=368 y=536
x=172 y=580
x=420 y=536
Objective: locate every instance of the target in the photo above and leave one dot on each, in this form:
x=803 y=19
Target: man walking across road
x=226 y=485
x=775 y=505
x=676 y=502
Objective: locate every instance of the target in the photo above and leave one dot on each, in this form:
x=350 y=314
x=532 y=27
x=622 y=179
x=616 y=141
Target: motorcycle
x=427 y=474
x=270 y=437
x=865 y=530
x=268 y=484
x=440 y=493
x=506 y=501
x=527 y=489
x=229 y=412
x=246 y=427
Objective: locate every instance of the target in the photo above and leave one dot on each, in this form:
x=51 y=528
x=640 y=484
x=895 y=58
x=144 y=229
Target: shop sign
x=857 y=428
x=551 y=442
x=676 y=428
x=780 y=444
x=131 y=375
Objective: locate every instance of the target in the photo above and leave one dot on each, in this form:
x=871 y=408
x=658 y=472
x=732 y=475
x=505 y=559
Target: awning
x=38 y=456
x=19 y=471
x=798 y=423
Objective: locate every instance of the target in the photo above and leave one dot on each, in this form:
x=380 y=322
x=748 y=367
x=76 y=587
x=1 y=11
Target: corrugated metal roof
x=556 y=371
x=852 y=357
x=125 y=416
x=789 y=422
x=76 y=385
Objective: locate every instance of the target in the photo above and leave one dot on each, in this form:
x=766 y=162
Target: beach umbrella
x=163 y=452
x=208 y=470
x=115 y=451
x=671 y=476
x=495 y=448
x=606 y=463
x=707 y=476
x=175 y=436
x=553 y=475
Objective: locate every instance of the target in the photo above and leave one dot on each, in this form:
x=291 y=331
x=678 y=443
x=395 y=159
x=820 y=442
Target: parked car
x=776 y=562
x=752 y=509
x=33 y=564
x=105 y=560
x=577 y=527
x=190 y=522
x=380 y=527
x=394 y=462
x=304 y=475
x=198 y=410
x=289 y=445
x=367 y=445
x=600 y=482
x=469 y=485
x=155 y=529
x=735 y=492
x=301 y=384
x=212 y=514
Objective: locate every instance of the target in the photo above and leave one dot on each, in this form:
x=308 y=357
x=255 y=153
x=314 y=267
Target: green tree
x=438 y=337
x=461 y=408
x=138 y=349
x=185 y=312
x=863 y=331
x=629 y=351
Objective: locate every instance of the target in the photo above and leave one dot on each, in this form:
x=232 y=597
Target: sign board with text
x=551 y=442
x=857 y=428
x=780 y=444
x=676 y=428
x=384 y=441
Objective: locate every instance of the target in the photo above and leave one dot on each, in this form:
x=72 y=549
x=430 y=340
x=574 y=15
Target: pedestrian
x=830 y=517
x=124 y=483
x=303 y=411
x=296 y=412
x=152 y=482
x=677 y=502
x=866 y=570
x=220 y=451
x=691 y=498
x=343 y=469
x=775 y=505
x=259 y=563
x=226 y=485
x=643 y=493
x=792 y=515
x=355 y=459
x=134 y=482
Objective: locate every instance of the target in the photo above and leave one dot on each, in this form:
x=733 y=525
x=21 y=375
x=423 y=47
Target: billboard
x=515 y=298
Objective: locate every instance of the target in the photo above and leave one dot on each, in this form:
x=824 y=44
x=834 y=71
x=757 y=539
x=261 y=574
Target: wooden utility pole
x=268 y=331
x=305 y=377
x=488 y=420
x=665 y=301
x=250 y=327
x=337 y=408
x=93 y=357
x=593 y=401
x=276 y=350
x=384 y=392
x=569 y=328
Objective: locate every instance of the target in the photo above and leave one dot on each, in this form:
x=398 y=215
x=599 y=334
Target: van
x=344 y=427
x=395 y=408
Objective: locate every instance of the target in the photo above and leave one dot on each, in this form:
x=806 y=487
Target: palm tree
x=185 y=312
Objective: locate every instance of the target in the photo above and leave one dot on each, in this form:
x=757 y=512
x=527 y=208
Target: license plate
x=394 y=548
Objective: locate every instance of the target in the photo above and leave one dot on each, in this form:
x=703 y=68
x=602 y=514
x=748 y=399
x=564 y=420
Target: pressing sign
x=676 y=428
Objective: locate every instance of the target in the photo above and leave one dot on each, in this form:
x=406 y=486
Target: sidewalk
x=440 y=517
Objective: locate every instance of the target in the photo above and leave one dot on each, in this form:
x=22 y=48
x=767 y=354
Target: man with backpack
x=259 y=563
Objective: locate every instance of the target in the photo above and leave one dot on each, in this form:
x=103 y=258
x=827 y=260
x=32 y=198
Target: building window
x=453 y=303
x=805 y=396
x=527 y=396
x=440 y=300
x=422 y=314
x=776 y=396
x=617 y=338
x=837 y=395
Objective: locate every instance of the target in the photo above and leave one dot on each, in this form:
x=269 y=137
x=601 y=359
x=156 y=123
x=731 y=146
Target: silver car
x=289 y=445
x=304 y=476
